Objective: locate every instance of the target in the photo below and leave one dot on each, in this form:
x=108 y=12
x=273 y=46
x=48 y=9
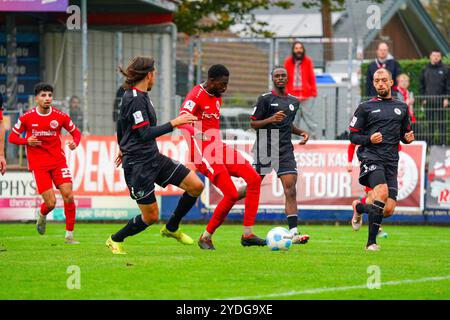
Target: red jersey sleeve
x=189 y=106
x=68 y=124
x=192 y=102
x=351 y=152
x=20 y=125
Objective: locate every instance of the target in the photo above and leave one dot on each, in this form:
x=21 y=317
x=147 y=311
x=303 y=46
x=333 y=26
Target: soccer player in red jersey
x=215 y=160
x=2 y=139
x=46 y=160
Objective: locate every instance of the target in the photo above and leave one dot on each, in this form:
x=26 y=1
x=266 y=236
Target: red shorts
x=231 y=161
x=45 y=178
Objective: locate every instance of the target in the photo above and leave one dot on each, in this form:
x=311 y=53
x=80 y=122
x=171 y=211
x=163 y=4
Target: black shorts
x=286 y=165
x=375 y=173
x=142 y=176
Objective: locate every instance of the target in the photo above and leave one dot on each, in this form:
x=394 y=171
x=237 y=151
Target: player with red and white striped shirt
x=46 y=159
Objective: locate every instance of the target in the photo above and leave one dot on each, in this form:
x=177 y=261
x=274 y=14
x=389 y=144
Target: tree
x=202 y=16
x=439 y=12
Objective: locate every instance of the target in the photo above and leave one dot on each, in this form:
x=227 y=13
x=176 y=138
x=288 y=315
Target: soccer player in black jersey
x=273 y=118
x=378 y=126
x=142 y=163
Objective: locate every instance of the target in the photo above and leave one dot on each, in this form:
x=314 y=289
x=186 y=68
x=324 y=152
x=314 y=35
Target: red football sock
x=253 y=180
x=44 y=210
x=70 y=211
x=230 y=196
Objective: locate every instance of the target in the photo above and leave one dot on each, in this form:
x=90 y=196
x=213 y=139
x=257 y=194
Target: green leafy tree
x=440 y=11
x=203 y=16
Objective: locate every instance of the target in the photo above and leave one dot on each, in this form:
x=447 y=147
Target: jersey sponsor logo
x=375 y=111
x=353 y=122
x=138 y=117
x=189 y=105
x=54 y=124
x=210 y=115
x=397 y=111
x=291 y=107
x=43 y=133
x=35 y=125
x=18 y=124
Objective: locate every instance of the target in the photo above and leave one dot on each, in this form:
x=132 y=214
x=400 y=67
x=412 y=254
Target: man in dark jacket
x=435 y=84
x=383 y=60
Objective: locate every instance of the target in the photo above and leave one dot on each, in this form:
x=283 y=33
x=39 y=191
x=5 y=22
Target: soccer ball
x=279 y=239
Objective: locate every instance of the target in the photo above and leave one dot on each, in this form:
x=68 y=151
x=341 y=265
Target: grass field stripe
x=332 y=289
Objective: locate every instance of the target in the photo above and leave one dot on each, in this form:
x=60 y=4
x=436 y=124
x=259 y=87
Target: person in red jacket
x=46 y=159
x=302 y=83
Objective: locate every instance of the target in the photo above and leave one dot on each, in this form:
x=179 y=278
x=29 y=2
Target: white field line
x=333 y=289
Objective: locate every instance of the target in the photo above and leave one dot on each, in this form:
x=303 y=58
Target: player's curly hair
x=42 y=87
x=137 y=70
x=217 y=71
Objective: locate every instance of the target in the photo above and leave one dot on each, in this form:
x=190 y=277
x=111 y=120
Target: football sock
x=375 y=219
x=363 y=208
x=134 y=226
x=70 y=212
x=44 y=210
x=230 y=195
x=184 y=205
x=69 y=234
x=253 y=180
x=248 y=231
x=293 y=223
x=206 y=234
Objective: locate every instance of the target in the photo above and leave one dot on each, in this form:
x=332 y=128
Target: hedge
x=411 y=67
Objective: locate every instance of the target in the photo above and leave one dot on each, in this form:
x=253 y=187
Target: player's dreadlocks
x=137 y=70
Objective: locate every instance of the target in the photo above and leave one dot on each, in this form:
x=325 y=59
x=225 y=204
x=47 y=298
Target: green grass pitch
x=414 y=263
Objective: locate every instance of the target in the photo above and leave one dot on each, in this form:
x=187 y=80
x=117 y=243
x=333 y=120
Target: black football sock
x=184 y=205
x=375 y=219
x=134 y=226
x=292 y=221
x=363 y=208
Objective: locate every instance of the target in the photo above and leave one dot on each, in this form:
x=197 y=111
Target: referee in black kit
x=142 y=163
x=378 y=126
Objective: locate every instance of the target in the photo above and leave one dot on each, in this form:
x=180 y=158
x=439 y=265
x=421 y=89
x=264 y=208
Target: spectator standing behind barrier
x=404 y=95
x=301 y=83
x=383 y=60
x=76 y=113
x=435 y=81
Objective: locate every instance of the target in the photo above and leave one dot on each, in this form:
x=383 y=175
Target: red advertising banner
x=94 y=173
x=324 y=182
